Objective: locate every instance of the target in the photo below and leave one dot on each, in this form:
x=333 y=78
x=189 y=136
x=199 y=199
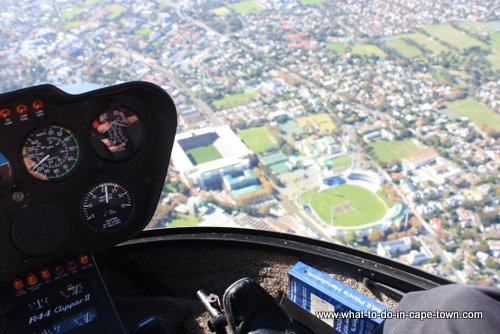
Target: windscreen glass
x=373 y=124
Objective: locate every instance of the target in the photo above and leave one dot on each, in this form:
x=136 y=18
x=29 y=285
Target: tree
x=375 y=236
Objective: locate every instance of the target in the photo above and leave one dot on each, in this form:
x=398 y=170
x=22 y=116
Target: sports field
x=495 y=40
x=403 y=48
x=352 y=205
x=235 y=100
x=393 y=151
x=220 y=11
x=322 y=121
x=114 y=11
x=245 y=7
x=476 y=112
x=201 y=154
x=258 y=139
x=478 y=27
x=454 y=37
x=367 y=50
x=311 y=2
x=336 y=47
x=344 y=161
x=427 y=42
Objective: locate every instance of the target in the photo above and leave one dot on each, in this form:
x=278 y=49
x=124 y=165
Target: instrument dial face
x=107 y=206
x=51 y=153
x=116 y=134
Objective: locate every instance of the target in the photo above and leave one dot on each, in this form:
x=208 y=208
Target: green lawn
x=322 y=121
x=495 y=40
x=70 y=14
x=311 y=2
x=258 y=139
x=336 y=47
x=72 y=24
x=403 y=48
x=344 y=161
x=427 y=42
x=367 y=50
x=494 y=59
x=478 y=27
x=393 y=151
x=454 y=37
x=114 y=11
x=235 y=100
x=245 y=7
x=184 y=221
x=143 y=32
x=220 y=11
x=476 y=112
x=201 y=154
x=353 y=205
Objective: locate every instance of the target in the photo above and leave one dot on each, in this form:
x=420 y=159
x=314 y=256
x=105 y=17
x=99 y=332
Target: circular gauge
x=5 y=172
x=106 y=206
x=51 y=153
x=116 y=134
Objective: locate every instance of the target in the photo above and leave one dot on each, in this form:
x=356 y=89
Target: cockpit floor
x=164 y=281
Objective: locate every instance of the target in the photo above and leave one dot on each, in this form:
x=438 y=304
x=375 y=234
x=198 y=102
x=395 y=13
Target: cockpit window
x=372 y=124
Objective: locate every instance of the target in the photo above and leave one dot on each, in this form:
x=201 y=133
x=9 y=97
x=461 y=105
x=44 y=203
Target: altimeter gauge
x=51 y=153
x=107 y=206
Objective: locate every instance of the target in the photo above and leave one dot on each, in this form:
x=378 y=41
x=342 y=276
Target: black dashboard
x=78 y=173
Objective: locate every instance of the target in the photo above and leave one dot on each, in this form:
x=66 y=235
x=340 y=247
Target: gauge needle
x=106 y=193
x=41 y=161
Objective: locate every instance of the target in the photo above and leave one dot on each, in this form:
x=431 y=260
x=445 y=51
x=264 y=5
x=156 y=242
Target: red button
x=83 y=259
x=45 y=273
x=72 y=265
x=38 y=105
x=5 y=113
x=31 y=279
x=58 y=270
x=18 y=284
x=21 y=109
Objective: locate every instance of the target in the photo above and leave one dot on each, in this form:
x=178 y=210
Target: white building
x=235 y=155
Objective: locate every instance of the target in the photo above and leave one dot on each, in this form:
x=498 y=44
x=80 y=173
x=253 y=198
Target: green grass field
x=322 y=121
x=495 y=40
x=476 y=112
x=353 y=205
x=344 y=161
x=70 y=14
x=201 y=154
x=477 y=27
x=393 y=151
x=367 y=50
x=245 y=7
x=143 y=32
x=454 y=37
x=72 y=24
x=311 y=2
x=184 y=221
x=114 y=11
x=403 y=48
x=258 y=139
x=494 y=59
x=423 y=40
x=235 y=100
x=220 y=11
x=336 y=47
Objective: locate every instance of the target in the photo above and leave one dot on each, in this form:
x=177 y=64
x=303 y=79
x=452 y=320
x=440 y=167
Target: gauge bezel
x=118 y=227
x=110 y=109
x=73 y=169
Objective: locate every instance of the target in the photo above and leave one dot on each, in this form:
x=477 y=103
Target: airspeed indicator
x=106 y=206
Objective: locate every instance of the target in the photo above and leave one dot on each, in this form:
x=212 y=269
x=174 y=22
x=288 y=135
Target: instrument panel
x=79 y=172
